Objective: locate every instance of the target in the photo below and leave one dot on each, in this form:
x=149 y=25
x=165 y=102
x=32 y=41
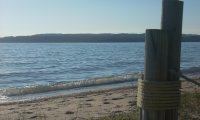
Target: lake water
x=32 y=70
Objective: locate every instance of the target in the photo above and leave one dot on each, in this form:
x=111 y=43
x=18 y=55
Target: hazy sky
x=26 y=17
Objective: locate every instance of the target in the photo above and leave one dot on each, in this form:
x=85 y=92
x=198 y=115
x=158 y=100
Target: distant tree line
x=51 y=38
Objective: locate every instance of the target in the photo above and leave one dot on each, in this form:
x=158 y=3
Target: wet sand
x=78 y=106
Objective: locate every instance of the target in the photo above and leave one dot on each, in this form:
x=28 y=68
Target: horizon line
x=79 y=34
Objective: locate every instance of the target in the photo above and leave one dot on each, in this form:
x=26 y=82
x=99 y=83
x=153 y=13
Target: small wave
x=192 y=70
x=3 y=97
x=69 y=85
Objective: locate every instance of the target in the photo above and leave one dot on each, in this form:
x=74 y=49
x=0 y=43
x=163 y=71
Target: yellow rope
x=158 y=95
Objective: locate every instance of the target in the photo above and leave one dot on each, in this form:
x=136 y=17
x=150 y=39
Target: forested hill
x=86 y=38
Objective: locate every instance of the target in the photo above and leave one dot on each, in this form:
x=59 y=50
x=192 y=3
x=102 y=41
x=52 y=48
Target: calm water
x=47 y=66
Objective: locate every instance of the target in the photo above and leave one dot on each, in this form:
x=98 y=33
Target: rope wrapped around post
x=158 y=95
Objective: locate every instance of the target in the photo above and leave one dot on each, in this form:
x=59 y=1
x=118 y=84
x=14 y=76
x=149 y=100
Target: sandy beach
x=78 y=106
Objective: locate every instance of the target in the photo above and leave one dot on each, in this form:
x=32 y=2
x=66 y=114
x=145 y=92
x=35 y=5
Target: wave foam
x=69 y=85
x=192 y=70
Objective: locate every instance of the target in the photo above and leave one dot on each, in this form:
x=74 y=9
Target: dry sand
x=77 y=106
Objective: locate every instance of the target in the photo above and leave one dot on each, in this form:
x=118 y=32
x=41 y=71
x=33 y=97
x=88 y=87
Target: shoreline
x=67 y=95
x=91 y=104
x=67 y=92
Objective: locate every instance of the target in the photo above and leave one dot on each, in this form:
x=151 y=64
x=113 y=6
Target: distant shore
x=80 y=105
x=87 y=38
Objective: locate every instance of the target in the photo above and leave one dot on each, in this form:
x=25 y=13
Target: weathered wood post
x=172 y=15
x=158 y=94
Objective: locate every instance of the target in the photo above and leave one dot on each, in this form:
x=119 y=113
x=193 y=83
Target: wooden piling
x=156 y=54
x=156 y=65
x=162 y=55
x=172 y=15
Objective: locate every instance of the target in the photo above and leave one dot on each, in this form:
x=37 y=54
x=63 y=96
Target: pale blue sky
x=27 y=17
